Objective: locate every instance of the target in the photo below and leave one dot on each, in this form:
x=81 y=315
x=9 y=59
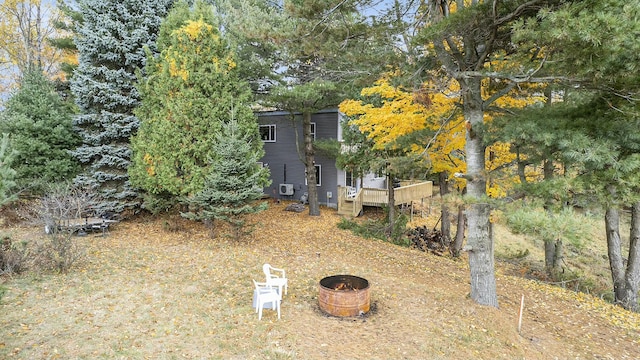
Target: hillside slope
x=148 y=292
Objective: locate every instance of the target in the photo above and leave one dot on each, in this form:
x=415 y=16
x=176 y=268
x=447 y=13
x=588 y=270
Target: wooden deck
x=379 y=197
x=81 y=225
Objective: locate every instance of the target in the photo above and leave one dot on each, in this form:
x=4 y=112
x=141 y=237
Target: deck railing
x=379 y=197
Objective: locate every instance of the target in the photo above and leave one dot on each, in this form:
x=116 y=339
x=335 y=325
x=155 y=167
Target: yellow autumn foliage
x=176 y=70
x=194 y=29
x=401 y=112
x=148 y=159
x=178 y=58
x=24 y=38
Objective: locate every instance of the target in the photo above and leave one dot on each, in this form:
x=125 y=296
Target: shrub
x=13 y=255
x=378 y=229
x=565 y=225
x=58 y=251
x=369 y=229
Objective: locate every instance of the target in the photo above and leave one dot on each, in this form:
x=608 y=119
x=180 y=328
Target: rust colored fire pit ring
x=344 y=295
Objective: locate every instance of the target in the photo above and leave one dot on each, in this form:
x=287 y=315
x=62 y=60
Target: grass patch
x=378 y=229
x=148 y=292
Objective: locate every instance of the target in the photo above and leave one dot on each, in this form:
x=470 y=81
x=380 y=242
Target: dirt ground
x=154 y=290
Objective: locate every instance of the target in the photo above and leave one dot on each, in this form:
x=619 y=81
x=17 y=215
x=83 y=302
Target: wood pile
x=427 y=240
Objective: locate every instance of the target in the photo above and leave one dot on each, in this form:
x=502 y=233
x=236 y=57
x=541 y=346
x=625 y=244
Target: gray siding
x=285 y=163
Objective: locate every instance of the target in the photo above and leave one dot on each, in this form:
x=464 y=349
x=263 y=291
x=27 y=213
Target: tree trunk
x=625 y=281
x=445 y=224
x=552 y=248
x=549 y=254
x=479 y=240
x=632 y=275
x=553 y=254
x=392 y=205
x=558 y=256
x=612 y=221
x=522 y=166
x=457 y=244
x=483 y=282
x=310 y=169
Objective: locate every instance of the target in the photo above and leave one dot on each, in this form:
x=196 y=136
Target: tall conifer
x=192 y=88
x=40 y=124
x=111 y=43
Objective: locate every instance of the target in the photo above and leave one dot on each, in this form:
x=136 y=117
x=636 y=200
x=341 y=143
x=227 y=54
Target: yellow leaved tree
x=431 y=120
x=25 y=29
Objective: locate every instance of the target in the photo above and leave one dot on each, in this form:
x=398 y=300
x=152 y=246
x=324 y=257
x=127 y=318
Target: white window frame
x=271 y=132
x=349 y=174
x=318 y=175
x=313 y=130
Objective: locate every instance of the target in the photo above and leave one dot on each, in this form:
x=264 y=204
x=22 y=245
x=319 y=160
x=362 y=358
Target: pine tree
x=321 y=49
x=471 y=43
x=232 y=190
x=594 y=133
x=111 y=43
x=192 y=88
x=40 y=124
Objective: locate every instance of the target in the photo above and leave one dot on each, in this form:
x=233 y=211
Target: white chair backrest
x=351 y=192
x=266 y=268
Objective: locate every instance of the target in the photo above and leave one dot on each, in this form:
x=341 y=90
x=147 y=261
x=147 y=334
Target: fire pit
x=344 y=295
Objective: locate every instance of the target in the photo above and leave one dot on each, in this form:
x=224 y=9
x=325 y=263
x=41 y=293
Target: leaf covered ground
x=153 y=291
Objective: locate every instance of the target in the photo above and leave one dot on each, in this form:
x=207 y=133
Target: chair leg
x=260 y=312
x=278 y=307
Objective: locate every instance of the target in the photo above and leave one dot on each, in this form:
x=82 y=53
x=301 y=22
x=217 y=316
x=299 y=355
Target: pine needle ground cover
x=147 y=291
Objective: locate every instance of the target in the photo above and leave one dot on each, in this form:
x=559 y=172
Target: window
x=268 y=133
x=348 y=178
x=318 y=176
x=313 y=130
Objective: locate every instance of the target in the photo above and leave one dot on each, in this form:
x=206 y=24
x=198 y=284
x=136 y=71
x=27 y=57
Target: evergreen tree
x=111 y=44
x=235 y=184
x=6 y=172
x=192 y=88
x=593 y=44
x=40 y=124
x=70 y=18
x=322 y=49
x=471 y=42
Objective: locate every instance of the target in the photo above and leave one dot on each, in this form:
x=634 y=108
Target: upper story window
x=268 y=133
x=313 y=130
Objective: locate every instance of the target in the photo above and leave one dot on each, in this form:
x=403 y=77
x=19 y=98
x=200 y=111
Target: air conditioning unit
x=286 y=189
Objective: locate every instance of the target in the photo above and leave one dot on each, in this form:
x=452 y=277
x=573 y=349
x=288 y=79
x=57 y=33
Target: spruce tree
x=40 y=124
x=234 y=186
x=7 y=174
x=111 y=44
x=191 y=89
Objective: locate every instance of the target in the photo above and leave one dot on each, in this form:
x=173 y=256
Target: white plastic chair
x=275 y=277
x=266 y=294
x=351 y=192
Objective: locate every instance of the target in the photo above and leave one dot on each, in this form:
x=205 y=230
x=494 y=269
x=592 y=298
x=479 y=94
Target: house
x=279 y=131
